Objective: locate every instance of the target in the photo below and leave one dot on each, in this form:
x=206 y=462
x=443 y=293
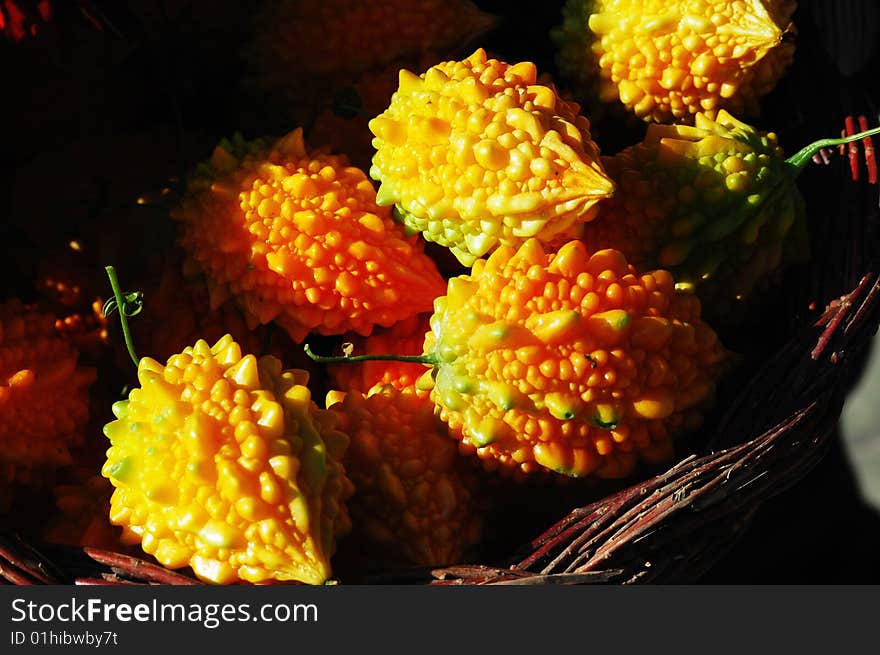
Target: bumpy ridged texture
x=715 y=203
x=666 y=60
x=224 y=463
x=297 y=238
x=475 y=154
x=404 y=338
x=44 y=395
x=350 y=134
x=570 y=361
x=327 y=37
x=415 y=495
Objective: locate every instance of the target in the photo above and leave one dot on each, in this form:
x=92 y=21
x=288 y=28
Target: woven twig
x=669 y=528
x=23 y=564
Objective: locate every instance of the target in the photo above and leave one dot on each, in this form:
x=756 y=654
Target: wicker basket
x=778 y=419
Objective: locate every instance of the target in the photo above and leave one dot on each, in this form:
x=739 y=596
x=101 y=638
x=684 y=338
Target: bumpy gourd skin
x=415 y=498
x=475 y=154
x=570 y=362
x=44 y=396
x=715 y=204
x=222 y=462
x=666 y=60
x=298 y=238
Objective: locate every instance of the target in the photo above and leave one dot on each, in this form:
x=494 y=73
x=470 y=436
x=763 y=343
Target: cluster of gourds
x=572 y=345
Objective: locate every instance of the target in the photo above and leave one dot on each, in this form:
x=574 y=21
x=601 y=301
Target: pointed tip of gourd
x=478 y=57
x=757 y=28
x=408 y=82
x=479 y=244
x=614 y=319
x=272 y=419
x=386 y=195
x=222 y=343
x=266 y=312
x=223 y=160
x=555 y=327
x=570 y=259
x=543 y=96
x=563 y=406
x=270 y=365
x=334 y=397
x=202 y=348
x=525 y=71
x=120 y=409
x=530 y=252
x=229 y=353
x=148 y=364
x=608 y=259
x=293 y=143
x=245 y=373
x=725 y=118
x=217 y=294
x=499 y=258
x=425 y=381
x=606 y=416
x=704 y=120
x=654 y=406
x=271 y=171
x=601 y=23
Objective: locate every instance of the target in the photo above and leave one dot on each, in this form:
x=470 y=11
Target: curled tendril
x=132 y=304
x=129 y=304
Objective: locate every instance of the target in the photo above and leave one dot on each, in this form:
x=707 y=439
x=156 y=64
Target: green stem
x=799 y=159
x=123 y=319
x=413 y=359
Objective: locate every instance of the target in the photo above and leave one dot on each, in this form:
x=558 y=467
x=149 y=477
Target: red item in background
x=17 y=23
